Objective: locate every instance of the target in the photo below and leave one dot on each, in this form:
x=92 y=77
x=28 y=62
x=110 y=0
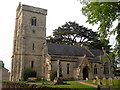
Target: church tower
x=29 y=41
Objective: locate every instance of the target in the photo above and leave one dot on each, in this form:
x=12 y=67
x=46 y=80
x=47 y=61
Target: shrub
x=68 y=79
x=53 y=74
x=28 y=73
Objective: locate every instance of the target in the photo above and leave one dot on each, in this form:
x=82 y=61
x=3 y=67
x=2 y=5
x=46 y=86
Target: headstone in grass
x=86 y=79
x=110 y=81
x=96 y=78
x=94 y=81
x=55 y=80
x=104 y=81
x=98 y=82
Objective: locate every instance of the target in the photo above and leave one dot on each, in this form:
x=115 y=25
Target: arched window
x=106 y=68
x=95 y=69
x=33 y=21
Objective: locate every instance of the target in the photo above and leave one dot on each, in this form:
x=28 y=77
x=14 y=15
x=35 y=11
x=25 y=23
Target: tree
x=97 y=44
x=71 y=33
x=53 y=74
x=1 y=64
x=104 y=14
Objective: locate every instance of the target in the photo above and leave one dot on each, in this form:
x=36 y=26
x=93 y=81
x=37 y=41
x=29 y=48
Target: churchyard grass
x=116 y=83
x=68 y=85
x=40 y=81
x=22 y=81
x=71 y=85
x=89 y=81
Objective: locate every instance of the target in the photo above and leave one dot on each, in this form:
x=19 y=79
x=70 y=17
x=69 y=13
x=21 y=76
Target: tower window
x=33 y=21
x=95 y=69
x=33 y=46
x=68 y=71
x=32 y=64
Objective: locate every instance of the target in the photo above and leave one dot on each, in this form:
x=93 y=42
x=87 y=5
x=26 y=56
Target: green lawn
x=22 y=82
x=76 y=85
x=72 y=85
x=116 y=83
x=38 y=81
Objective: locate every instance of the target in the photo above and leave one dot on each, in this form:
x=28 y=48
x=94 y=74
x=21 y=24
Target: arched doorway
x=85 y=73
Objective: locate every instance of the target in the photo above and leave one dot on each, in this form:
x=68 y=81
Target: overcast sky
x=59 y=12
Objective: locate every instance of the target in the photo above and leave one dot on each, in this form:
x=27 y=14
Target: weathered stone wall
x=76 y=68
x=64 y=61
x=64 y=68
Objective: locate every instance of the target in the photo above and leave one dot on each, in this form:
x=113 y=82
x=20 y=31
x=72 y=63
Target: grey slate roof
x=61 y=49
x=96 y=52
x=79 y=62
x=94 y=60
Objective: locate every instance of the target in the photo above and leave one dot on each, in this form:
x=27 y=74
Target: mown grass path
x=88 y=84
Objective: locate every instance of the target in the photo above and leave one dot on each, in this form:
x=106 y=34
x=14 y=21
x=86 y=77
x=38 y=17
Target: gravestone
x=110 y=81
x=86 y=79
x=104 y=81
x=55 y=80
x=94 y=81
x=96 y=78
x=98 y=82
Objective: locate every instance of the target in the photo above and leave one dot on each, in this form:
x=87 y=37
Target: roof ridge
x=90 y=52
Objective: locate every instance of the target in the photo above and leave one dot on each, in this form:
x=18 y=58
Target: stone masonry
x=29 y=41
x=30 y=50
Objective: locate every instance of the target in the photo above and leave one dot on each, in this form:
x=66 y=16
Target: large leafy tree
x=104 y=14
x=97 y=44
x=73 y=34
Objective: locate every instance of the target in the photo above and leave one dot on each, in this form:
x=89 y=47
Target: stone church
x=30 y=50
